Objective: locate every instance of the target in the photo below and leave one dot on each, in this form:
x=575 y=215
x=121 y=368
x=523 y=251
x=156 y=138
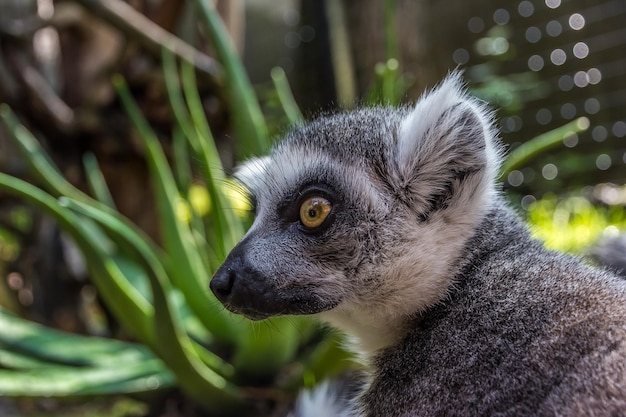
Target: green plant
x=572 y=223
x=160 y=293
x=390 y=85
x=536 y=146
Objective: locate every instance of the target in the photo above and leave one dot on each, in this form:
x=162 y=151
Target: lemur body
x=386 y=223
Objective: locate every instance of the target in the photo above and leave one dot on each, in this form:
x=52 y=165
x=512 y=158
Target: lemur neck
x=372 y=330
x=500 y=228
x=367 y=335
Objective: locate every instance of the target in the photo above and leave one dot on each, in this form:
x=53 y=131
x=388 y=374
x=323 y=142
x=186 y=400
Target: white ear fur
x=446 y=136
x=435 y=117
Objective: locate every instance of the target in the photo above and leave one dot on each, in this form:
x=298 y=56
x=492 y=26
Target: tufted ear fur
x=445 y=151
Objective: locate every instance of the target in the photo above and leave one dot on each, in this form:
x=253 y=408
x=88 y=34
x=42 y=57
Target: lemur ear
x=446 y=137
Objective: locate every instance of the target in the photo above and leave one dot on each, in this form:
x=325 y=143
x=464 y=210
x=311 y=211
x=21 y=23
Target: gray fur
x=611 y=252
x=454 y=308
x=525 y=332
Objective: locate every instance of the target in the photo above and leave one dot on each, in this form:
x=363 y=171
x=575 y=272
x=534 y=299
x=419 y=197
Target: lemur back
x=388 y=225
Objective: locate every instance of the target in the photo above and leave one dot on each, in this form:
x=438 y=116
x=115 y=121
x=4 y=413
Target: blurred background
x=541 y=64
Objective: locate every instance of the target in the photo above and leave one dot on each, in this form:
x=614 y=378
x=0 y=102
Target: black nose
x=242 y=291
x=222 y=284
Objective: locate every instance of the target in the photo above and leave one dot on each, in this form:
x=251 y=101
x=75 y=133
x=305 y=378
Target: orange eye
x=314 y=211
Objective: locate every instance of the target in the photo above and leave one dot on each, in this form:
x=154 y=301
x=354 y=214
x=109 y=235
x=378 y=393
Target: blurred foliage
x=159 y=294
x=508 y=93
x=573 y=223
x=540 y=144
x=103 y=407
x=390 y=85
x=539 y=71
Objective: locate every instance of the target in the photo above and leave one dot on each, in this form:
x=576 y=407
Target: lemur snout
x=245 y=290
x=242 y=290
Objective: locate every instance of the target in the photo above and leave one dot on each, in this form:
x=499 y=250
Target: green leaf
x=180 y=156
x=96 y=182
x=328 y=359
x=260 y=350
x=148 y=259
x=16 y=360
x=230 y=228
x=58 y=381
x=249 y=123
x=227 y=230
x=47 y=362
x=204 y=385
x=47 y=173
x=174 y=346
x=38 y=161
x=285 y=96
x=267 y=346
x=128 y=305
x=56 y=347
x=530 y=149
x=183 y=264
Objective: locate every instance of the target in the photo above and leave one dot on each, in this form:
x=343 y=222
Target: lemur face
x=363 y=212
x=316 y=231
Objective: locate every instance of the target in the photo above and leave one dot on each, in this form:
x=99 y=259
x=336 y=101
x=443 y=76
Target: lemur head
x=361 y=216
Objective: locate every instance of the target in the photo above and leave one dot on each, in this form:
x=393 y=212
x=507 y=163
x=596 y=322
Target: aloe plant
x=159 y=294
x=248 y=120
x=31 y=356
x=536 y=146
x=110 y=245
x=154 y=292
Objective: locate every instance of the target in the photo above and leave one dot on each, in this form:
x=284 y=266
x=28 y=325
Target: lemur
x=389 y=224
